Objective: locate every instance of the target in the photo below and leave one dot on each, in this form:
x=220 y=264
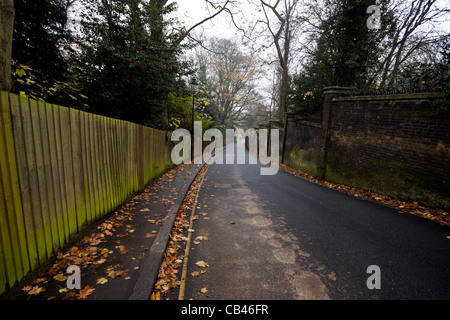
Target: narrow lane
x=281 y=237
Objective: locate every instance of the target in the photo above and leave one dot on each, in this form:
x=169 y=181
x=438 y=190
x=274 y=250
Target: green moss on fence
x=61 y=170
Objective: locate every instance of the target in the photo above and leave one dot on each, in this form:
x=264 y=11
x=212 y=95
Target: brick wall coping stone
x=411 y=96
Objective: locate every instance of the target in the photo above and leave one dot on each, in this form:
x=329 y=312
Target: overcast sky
x=193 y=11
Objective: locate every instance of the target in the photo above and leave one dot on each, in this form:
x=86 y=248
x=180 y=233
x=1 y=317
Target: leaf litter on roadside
x=90 y=251
x=167 y=275
x=412 y=207
x=87 y=253
x=168 y=272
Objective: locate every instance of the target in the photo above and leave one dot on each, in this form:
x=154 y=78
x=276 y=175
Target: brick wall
x=397 y=145
x=305 y=147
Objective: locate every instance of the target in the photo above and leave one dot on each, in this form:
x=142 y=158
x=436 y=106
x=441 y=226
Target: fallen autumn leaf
x=122 y=249
x=60 y=277
x=202 y=264
x=84 y=293
x=27 y=288
x=36 y=290
x=102 y=281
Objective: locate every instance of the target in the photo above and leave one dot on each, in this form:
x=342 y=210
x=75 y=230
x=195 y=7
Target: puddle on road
x=285 y=255
x=309 y=287
x=285 y=247
x=261 y=221
x=274 y=243
x=267 y=233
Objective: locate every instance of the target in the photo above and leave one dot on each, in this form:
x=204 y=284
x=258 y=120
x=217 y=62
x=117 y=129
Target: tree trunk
x=157 y=21
x=284 y=85
x=6 y=32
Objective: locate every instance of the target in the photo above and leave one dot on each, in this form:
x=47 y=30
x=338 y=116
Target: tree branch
x=221 y=9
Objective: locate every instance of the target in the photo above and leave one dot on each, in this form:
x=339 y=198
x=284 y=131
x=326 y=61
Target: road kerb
x=149 y=272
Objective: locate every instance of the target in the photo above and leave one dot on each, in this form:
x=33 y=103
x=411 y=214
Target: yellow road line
x=188 y=243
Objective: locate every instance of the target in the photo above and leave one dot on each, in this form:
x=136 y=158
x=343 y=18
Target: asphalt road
x=281 y=237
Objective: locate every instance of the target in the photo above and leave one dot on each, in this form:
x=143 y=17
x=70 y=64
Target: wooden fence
x=61 y=169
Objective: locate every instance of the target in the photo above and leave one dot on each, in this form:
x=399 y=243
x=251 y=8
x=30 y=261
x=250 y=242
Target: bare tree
x=408 y=29
x=411 y=34
x=214 y=8
x=281 y=21
x=231 y=77
x=6 y=32
x=255 y=115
